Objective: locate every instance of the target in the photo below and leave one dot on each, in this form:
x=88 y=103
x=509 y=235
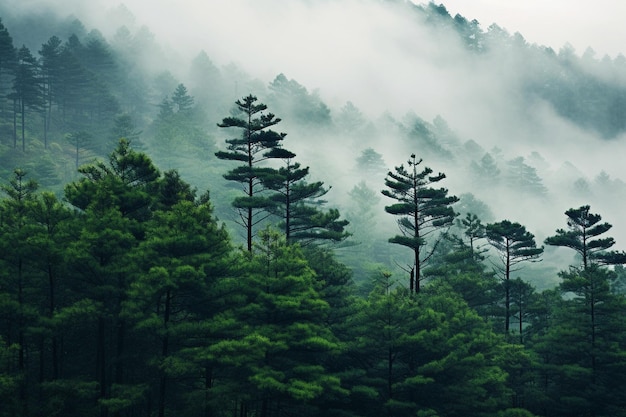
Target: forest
x=168 y=250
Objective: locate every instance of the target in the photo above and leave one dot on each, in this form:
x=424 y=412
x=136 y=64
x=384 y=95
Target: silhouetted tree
x=514 y=245
x=50 y=53
x=251 y=148
x=423 y=210
x=583 y=235
x=27 y=92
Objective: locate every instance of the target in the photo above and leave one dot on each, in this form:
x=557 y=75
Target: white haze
x=385 y=60
x=583 y=24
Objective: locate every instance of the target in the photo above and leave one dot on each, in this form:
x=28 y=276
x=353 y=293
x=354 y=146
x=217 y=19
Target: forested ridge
x=186 y=245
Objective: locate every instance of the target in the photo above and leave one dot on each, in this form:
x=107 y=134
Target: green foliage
x=514 y=245
x=127 y=297
x=583 y=236
x=254 y=145
x=293 y=100
x=423 y=210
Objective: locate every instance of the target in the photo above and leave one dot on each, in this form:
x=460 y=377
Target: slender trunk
x=23 y=126
x=418 y=269
x=390 y=374
x=507 y=307
x=46 y=120
x=164 y=353
x=416 y=218
x=288 y=213
x=507 y=292
x=521 y=337
x=250 y=184
x=593 y=329
x=101 y=364
x=208 y=384
x=21 y=339
x=15 y=124
x=52 y=306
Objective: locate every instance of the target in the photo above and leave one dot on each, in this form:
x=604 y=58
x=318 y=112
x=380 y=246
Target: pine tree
x=27 y=92
x=116 y=201
x=50 y=53
x=15 y=227
x=514 y=245
x=184 y=254
x=423 y=211
x=583 y=236
x=285 y=316
x=251 y=148
x=299 y=204
x=8 y=58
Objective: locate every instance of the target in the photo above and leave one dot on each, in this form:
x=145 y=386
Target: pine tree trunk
x=101 y=364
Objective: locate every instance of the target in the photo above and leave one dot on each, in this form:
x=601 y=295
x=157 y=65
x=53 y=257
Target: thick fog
x=597 y=24
x=388 y=63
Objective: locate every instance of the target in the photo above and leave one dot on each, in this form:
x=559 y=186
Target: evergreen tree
x=582 y=347
x=423 y=210
x=522 y=298
x=26 y=90
x=50 y=53
x=79 y=141
x=251 y=148
x=583 y=236
x=285 y=313
x=73 y=87
x=370 y=164
x=116 y=199
x=514 y=245
x=293 y=99
x=474 y=230
x=124 y=127
x=298 y=204
x=181 y=100
x=524 y=178
x=486 y=170
x=8 y=58
x=50 y=240
x=184 y=253
x=428 y=354
x=16 y=279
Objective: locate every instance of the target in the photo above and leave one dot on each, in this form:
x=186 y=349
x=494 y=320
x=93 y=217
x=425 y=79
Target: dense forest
x=167 y=249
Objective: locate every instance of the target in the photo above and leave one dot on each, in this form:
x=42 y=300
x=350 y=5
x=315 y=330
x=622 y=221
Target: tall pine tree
x=253 y=146
x=423 y=211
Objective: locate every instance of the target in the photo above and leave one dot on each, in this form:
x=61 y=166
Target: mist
x=391 y=65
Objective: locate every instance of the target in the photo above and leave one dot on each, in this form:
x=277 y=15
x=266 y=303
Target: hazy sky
x=598 y=24
x=384 y=60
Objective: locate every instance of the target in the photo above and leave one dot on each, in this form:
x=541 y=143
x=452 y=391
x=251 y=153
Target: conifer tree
x=116 y=200
x=15 y=228
x=181 y=259
x=8 y=57
x=514 y=245
x=285 y=315
x=423 y=211
x=253 y=146
x=26 y=90
x=50 y=53
x=583 y=235
x=299 y=203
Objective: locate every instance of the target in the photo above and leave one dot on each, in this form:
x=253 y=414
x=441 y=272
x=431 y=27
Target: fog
x=553 y=23
x=390 y=64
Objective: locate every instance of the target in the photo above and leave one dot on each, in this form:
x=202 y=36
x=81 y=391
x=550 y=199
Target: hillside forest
x=199 y=242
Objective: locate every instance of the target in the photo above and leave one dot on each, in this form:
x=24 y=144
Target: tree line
x=128 y=297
